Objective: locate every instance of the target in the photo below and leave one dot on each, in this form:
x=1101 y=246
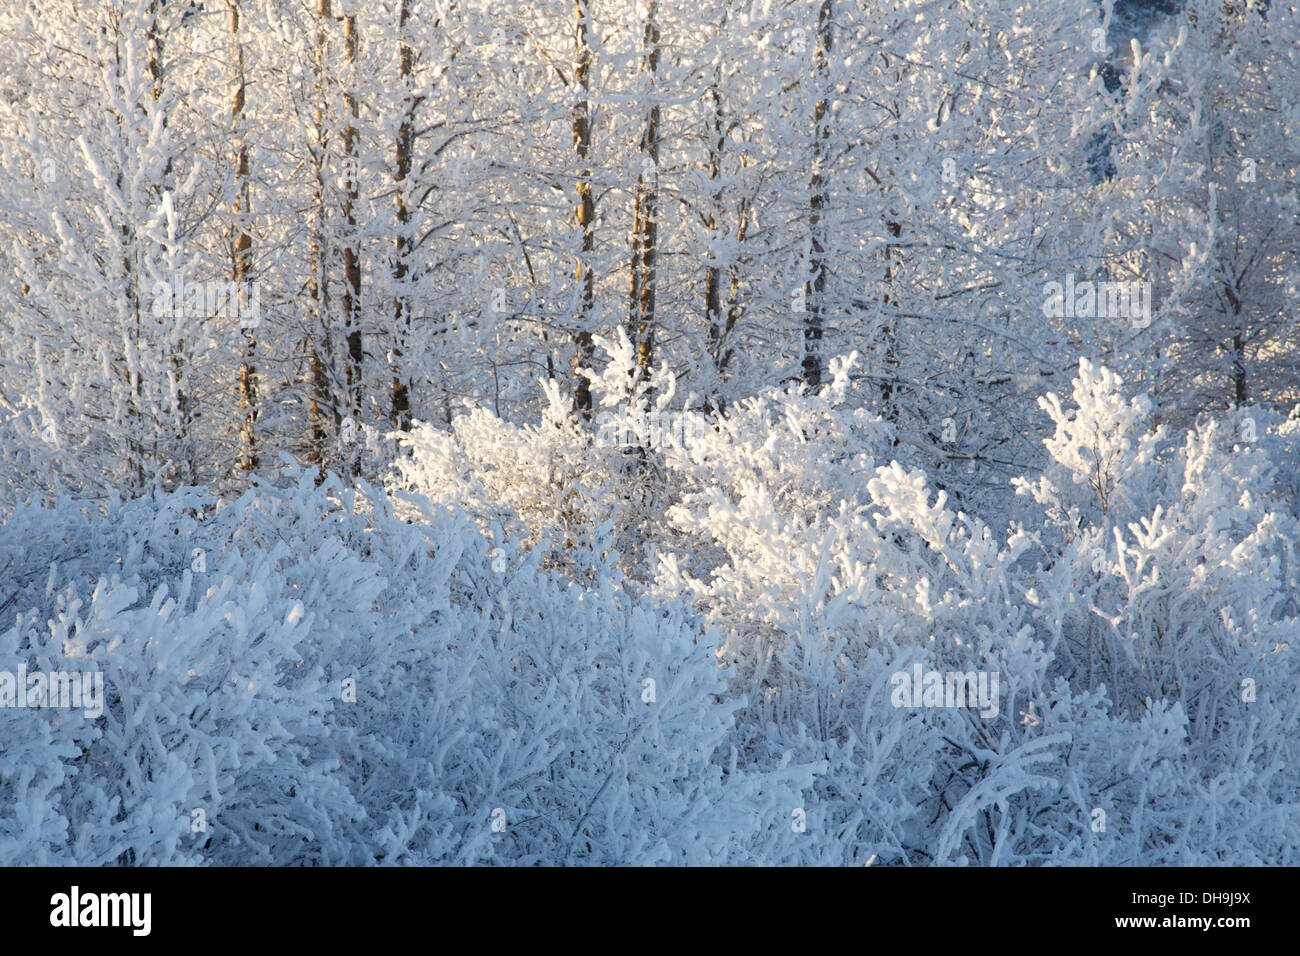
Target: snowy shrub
x=210 y=704
x=1180 y=599
x=830 y=571
x=552 y=482
x=825 y=609
x=330 y=675
x=328 y=684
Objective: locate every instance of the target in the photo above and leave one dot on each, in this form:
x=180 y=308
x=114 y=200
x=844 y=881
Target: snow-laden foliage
x=677 y=637
x=300 y=677
x=1136 y=615
x=1178 y=592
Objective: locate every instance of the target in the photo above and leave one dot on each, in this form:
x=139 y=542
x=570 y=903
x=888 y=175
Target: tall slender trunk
x=178 y=422
x=320 y=344
x=584 y=277
x=889 y=297
x=713 y=279
x=400 y=417
x=351 y=252
x=645 y=227
x=132 y=333
x=135 y=452
x=888 y=333
x=815 y=285
x=1239 y=392
x=241 y=266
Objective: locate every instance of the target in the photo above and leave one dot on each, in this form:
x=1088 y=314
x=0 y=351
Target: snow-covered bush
x=1118 y=726
x=299 y=676
x=824 y=607
x=1180 y=600
x=555 y=482
x=556 y=675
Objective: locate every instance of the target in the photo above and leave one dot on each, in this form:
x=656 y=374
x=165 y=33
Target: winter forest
x=631 y=432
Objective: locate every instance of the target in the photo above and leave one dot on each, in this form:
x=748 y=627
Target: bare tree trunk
x=320 y=345
x=135 y=394
x=645 y=229
x=713 y=281
x=1239 y=391
x=242 y=251
x=888 y=380
x=351 y=252
x=734 y=309
x=722 y=319
x=815 y=286
x=890 y=297
x=180 y=451
x=585 y=211
x=135 y=470
x=400 y=417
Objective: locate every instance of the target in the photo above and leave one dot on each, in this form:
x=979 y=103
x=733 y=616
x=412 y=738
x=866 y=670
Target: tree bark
x=179 y=452
x=400 y=417
x=242 y=251
x=713 y=281
x=351 y=253
x=585 y=211
x=320 y=345
x=815 y=285
x=645 y=227
x=1239 y=392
